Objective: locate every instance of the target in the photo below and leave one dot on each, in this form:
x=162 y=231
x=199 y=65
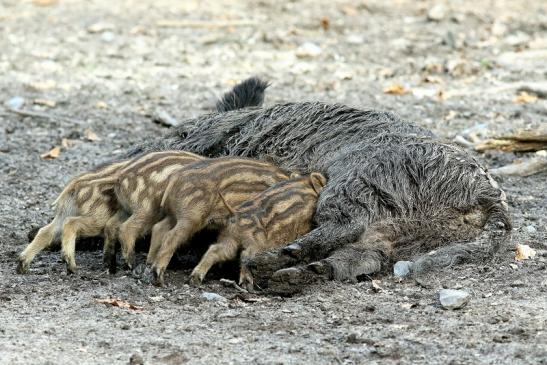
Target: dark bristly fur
x=246 y=94
x=393 y=187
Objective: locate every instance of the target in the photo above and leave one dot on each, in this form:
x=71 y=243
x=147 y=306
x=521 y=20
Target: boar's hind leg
x=315 y=245
x=348 y=263
x=219 y=252
x=45 y=236
x=72 y=229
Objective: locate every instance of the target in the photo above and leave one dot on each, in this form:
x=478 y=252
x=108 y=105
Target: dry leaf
x=376 y=285
x=45 y=102
x=118 y=303
x=91 y=136
x=432 y=79
x=524 y=252
x=325 y=23
x=51 y=154
x=349 y=10
x=43 y=85
x=67 y=142
x=396 y=89
x=44 y=2
x=409 y=305
x=99 y=27
x=524 y=98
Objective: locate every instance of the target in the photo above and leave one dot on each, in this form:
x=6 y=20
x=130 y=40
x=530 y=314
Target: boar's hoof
x=264 y=264
x=293 y=279
x=294 y=250
x=22 y=266
x=322 y=268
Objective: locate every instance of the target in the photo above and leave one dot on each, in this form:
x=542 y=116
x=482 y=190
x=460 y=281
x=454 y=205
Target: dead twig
x=525 y=168
x=233 y=284
x=522 y=140
x=34 y=114
x=203 y=24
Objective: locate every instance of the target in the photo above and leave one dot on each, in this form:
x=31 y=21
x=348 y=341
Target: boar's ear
x=318 y=181
x=230 y=209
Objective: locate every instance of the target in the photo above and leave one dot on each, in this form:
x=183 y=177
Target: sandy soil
x=108 y=66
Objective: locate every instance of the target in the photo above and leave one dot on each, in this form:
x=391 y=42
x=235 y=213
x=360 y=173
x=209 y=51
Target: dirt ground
x=109 y=66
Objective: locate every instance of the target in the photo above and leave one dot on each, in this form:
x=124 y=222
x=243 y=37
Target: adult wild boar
x=393 y=188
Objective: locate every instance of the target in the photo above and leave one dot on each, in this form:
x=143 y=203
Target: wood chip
x=45 y=102
x=51 y=154
x=115 y=302
x=68 y=142
x=203 y=24
x=376 y=285
x=91 y=136
x=525 y=98
x=44 y=2
x=396 y=89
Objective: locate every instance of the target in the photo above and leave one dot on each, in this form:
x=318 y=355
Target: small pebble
x=453 y=299
x=530 y=229
x=308 y=50
x=16 y=102
x=402 y=269
x=437 y=12
x=136 y=359
x=213 y=297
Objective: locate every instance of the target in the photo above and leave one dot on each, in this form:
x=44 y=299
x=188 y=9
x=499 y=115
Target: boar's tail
x=247 y=93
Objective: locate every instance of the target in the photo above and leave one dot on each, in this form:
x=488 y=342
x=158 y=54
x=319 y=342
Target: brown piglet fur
x=139 y=191
x=275 y=217
x=83 y=208
x=192 y=201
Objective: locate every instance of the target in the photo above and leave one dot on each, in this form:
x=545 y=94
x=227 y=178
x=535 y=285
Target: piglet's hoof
x=22 y=267
x=195 y=279
x=158 y=277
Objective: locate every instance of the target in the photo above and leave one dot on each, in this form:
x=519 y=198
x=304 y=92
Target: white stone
x=453 y=299
x=402 y=268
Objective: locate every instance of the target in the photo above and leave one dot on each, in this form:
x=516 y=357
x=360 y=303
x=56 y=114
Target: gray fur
x=390 y=183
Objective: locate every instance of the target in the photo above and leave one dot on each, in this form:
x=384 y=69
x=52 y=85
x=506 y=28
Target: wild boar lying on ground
x=192 y=201
x=275 y=217
x=82 y=209
x=393 y=187
x=139 y=190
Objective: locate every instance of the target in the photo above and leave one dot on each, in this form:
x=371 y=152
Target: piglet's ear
x=318 y=181
x=294 y=175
